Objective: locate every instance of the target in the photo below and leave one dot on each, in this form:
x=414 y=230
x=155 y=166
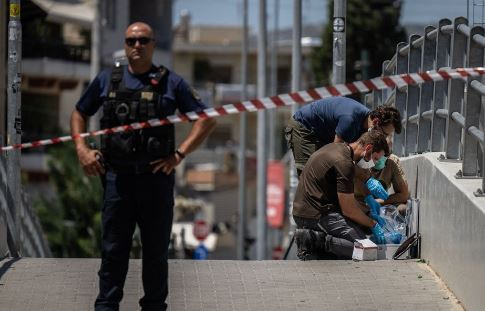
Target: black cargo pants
x=341 y=232
x=302 y=141
x=130 y=199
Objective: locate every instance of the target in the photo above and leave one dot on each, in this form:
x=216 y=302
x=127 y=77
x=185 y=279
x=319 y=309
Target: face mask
x=365 y=164
x=381 y=163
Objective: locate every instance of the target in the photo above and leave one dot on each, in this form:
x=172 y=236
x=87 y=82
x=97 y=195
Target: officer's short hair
x=377 y=139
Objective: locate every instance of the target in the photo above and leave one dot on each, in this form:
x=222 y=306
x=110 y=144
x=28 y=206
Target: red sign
x=277 y=253
x=201 y=229
x=275 y=194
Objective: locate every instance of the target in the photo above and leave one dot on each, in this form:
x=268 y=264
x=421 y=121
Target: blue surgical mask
x=381 y=163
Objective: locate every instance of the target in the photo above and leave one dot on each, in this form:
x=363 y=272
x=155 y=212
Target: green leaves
x=372 y=28
x=72 y=220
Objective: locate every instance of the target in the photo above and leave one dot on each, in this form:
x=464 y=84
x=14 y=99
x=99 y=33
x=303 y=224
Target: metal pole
x=339 y=44
x=242 y=139
x=3 y=119
x=3 y=68
x=456 y=91
x=96 y=39
x=272 y=113
x=14 y=123
x=295 y=86
x=262 y=137
x=95 y=55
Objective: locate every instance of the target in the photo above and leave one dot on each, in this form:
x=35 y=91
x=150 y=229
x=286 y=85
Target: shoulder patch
x=195 y=94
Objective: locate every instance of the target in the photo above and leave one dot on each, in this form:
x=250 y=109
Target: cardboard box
x=364 y=249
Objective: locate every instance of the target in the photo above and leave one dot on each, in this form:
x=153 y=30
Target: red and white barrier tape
x=301 y=97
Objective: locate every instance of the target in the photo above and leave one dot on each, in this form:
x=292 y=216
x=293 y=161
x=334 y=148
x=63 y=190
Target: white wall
x=452 y=225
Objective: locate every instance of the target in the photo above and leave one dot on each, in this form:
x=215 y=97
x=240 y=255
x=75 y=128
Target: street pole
x=295 y=86
x=14 y=121
x=262 y=137
x=242 y=139
x=3 y=116
x=339 y=44
x=3 y=69
x=95 y=55
x=272 y=113
x=96 y=39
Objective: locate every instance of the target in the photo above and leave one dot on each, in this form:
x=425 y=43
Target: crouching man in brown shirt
x=389 y=172
x=326 y=213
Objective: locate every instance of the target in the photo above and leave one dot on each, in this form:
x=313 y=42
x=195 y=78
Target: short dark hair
x=377 y=139
x=387 y=115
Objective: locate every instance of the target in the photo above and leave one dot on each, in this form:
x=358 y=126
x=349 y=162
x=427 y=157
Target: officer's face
x=139 y=43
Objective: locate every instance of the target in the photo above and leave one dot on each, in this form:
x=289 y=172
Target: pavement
x=71 y=284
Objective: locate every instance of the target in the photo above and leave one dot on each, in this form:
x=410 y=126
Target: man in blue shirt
x=137 y=167
x=336 y=119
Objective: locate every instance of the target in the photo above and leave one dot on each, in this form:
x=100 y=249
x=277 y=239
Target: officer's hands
x=378 y=233
x=375 y=187
x=166 y=165
x=381 y=221
x=374 y=207
x=89 y=161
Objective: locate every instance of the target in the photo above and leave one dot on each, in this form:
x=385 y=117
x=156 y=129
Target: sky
x=315 y=11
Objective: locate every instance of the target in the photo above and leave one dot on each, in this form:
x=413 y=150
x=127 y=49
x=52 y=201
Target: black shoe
x=310 y=243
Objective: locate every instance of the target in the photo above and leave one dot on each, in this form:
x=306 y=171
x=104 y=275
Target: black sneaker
x=310 y=244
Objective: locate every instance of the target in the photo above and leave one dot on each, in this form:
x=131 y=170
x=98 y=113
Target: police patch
x=147 y=95
x=195 y=94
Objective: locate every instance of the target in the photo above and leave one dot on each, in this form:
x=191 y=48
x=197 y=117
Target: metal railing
x=29 y=240
x=446 y=116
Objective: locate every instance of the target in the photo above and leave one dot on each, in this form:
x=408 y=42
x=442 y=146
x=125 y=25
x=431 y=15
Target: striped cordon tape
x=301 y=97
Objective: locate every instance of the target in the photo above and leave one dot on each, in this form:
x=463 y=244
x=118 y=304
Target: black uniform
x=132 y=193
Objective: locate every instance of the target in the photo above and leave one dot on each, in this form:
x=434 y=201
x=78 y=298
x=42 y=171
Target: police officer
x=138 y=170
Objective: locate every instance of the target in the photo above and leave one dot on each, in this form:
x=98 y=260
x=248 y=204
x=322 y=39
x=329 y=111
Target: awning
x=81 y=14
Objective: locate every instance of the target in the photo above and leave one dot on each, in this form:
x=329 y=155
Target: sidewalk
x=71 y=284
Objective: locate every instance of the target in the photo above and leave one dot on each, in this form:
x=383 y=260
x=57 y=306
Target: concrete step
x=71 y=284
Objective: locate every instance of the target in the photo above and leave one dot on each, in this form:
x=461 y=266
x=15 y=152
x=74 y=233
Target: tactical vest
x=124 y=106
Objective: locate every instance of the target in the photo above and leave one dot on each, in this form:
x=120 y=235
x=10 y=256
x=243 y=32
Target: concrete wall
x=452 y=225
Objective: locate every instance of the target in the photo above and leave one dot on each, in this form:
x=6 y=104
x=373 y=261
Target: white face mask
x=365 y=164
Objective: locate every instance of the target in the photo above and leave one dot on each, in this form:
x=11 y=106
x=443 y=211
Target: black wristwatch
x=180 y=153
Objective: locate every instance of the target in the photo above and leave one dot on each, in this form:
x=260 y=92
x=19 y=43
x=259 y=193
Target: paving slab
x=71 y=284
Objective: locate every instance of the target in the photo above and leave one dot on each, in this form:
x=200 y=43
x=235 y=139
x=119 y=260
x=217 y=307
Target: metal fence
x=445 y=116
x=29 y=240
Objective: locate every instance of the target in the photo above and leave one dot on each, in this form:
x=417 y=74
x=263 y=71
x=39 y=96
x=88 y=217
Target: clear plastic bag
x=395 y=224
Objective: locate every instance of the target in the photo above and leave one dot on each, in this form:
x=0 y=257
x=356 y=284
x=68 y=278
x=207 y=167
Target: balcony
x=35 y=48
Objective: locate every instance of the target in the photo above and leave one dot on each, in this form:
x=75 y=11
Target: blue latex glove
x=381 y=221
x=378 y=233
x=394 y=237
x=375 y=187
x=375 y=209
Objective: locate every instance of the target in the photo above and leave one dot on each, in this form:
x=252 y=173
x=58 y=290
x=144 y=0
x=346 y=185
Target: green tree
x=72 y=220
x=372 y=28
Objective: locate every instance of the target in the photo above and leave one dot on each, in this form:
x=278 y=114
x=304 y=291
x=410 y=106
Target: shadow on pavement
x=6 y=265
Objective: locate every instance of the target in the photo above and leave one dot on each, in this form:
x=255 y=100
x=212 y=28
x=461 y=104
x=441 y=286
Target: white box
x=386 y=251
x=364 y=249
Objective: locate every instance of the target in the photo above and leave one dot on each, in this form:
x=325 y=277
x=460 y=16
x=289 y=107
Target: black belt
x=130 y=168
